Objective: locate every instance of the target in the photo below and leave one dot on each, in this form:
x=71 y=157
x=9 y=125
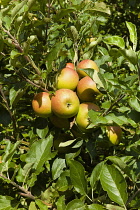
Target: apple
x=87 y=90
x=85 y=64
x=67 y=78
x=82 y=119
x=59 y=122
x=41 y=104
x=65 y=103
x=114 y=134
x=70 y=65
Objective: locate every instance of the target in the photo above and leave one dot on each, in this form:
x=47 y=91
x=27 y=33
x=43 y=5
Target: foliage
x=37 y=39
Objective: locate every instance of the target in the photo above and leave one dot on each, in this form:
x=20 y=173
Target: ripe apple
x=87 y=90
x=67 y=78
x=85 y=64
x=65 y=103
x=41 y=104
x=60 y=122
x=82 y=118
x=70 y=65
x=114 y=134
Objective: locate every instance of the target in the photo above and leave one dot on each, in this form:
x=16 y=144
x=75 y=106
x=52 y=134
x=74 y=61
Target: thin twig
x=113 y=104
x=133 y=196
x=32 y=83
x=25 y=193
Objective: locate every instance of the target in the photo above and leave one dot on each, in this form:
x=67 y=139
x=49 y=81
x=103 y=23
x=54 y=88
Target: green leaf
x=120 y=163
x=40 y=152
x=115 y=40
x=95 y=175
x=113 y=207
x=74 y=33
x=100 y=7
x=61 y=203
x=134 y=103
x=17 y=8
x=114 y=183
x=77 y=177
x=57 y=167
x=15 y=95
x=41 y=205
x=96 y=207
x=75 y=204
x=130 y=55
x=32 y=206
x=42 y=132
x=5 y=202
x=133 y=34
x=62 y=182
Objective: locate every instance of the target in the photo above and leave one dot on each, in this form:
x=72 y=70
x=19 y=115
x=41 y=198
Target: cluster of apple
x=76 y=93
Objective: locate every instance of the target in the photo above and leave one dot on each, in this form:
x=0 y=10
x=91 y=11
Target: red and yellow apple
x=70 y=65
x=87 y=90
x=85 y=64
x=41 y=104
x=82 y=118
x=114 y=134
x=67 y=78
x=65 y=103
x=60 y=122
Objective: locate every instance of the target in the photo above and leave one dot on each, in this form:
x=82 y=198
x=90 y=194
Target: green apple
x=70 y=65
x=85 y=64
x=60 y=122
x=114 y=134
x=87 y=90
x=65 y=103
x=82 y=119
x=41 y=104
x=67 y=78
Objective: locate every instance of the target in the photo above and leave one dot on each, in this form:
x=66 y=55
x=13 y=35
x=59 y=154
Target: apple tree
x=43 y=166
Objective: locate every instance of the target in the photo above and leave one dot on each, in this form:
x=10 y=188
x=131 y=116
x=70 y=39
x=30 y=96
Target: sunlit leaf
x=75 y=204
x=57 y=167
x=133 y=33
x=115 y=40
x=114 y=183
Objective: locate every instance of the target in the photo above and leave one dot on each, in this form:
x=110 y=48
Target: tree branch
x=19 y=48
x=25 y=193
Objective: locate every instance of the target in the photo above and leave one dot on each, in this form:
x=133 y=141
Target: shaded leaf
x=114 y=183
x=95 y=175
x=77 y=177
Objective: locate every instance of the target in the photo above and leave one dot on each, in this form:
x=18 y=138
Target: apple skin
x=65 y=103
x=59 y=122
x=41 y=104
x=87 y=90
x=67 y=78
x=82 y=118
x=114 y=134
x=70 y=65
x=85 y=64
